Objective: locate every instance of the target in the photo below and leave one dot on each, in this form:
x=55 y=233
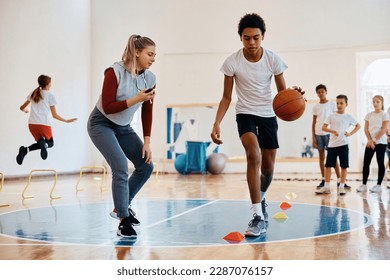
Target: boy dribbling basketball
x=252 y=69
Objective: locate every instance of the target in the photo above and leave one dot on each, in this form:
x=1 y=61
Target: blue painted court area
x=176 y=223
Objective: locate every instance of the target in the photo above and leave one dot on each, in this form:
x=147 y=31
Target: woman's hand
x=146 y=96
x=147 y=153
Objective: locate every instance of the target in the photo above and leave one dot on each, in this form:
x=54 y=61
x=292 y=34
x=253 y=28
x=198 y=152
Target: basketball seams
x=289 y=105
x=281 y=106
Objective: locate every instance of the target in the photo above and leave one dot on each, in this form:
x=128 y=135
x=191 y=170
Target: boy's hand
x=215 y=135
x=299 y=89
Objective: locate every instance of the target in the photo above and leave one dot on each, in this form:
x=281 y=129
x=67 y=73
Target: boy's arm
x=313 y=131
x=222 y=108
x=280 y=82
x=356 y=128
x=327 y=129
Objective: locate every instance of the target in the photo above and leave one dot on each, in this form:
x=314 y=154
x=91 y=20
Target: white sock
x=257 y=210
x=262 y=195
x=327 y=185
x=342 y=185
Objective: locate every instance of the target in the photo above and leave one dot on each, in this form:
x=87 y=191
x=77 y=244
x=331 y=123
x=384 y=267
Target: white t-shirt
x=40 y=111
x=341 y=123
x=253 y=81
x=322 y=111
x=375 y=122
x=388 y=125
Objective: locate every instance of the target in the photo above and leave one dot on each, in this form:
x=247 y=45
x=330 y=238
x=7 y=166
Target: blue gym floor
x=176 y=223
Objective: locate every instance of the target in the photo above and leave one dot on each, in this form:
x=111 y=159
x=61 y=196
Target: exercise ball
x=180 y=163
x=215 y=163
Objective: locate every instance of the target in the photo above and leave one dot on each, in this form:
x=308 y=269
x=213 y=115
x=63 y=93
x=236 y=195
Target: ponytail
x=43 y=81
x=36 y=95
x=129 y=57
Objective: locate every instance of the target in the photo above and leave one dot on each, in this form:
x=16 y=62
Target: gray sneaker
x=264 y=209
x=255 y=227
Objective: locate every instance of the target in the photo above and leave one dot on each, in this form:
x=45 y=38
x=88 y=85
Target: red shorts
x=38 y=131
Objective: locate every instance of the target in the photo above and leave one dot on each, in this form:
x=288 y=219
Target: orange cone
x=234 y=237
x=284 y=205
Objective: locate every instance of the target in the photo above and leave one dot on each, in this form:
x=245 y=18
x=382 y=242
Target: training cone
x=280 y=217
x=284 y=205
x=291 y=196
x=234 y=237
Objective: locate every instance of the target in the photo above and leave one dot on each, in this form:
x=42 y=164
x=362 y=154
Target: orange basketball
x=289 y=105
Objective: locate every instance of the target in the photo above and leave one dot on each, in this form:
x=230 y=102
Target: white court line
x=181 y=214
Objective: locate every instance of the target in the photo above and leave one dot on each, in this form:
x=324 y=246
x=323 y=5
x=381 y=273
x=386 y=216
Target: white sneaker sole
x=325 y=192
x=126 y=236
x=251 y=234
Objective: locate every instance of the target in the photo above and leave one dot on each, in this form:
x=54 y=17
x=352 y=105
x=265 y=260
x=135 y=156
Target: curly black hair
x=321 y=86
x=252 y=21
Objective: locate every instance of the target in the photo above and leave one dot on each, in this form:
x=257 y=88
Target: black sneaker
x=322 y=184
x=264 y=209
x=132 y=217
x=345 y=186
x=126 y=229
x=21 y=155
x=42 y=146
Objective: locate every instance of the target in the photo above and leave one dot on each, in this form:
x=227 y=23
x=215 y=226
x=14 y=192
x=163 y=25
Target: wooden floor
x=370 y=242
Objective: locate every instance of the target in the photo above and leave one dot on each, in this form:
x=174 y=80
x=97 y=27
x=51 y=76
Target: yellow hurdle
x=29 y=181
x=1 y=187
x=92 y=167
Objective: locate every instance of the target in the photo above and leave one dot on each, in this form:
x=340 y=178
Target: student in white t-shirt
x=338 y=124
x=320 y=138
x=375 y=127
x=388 y=143
x=42 y=103
x=252 y=69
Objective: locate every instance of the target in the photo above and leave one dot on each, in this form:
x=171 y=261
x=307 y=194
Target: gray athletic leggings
x=118 y=144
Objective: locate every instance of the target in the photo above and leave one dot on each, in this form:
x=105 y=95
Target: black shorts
x=265 y=129
x=342 y=152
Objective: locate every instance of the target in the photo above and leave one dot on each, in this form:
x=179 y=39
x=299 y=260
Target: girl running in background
x=42 y=103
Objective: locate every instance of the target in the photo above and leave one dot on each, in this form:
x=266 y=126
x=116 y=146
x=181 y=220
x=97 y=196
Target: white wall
x=317 y=39
x=52 y=38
